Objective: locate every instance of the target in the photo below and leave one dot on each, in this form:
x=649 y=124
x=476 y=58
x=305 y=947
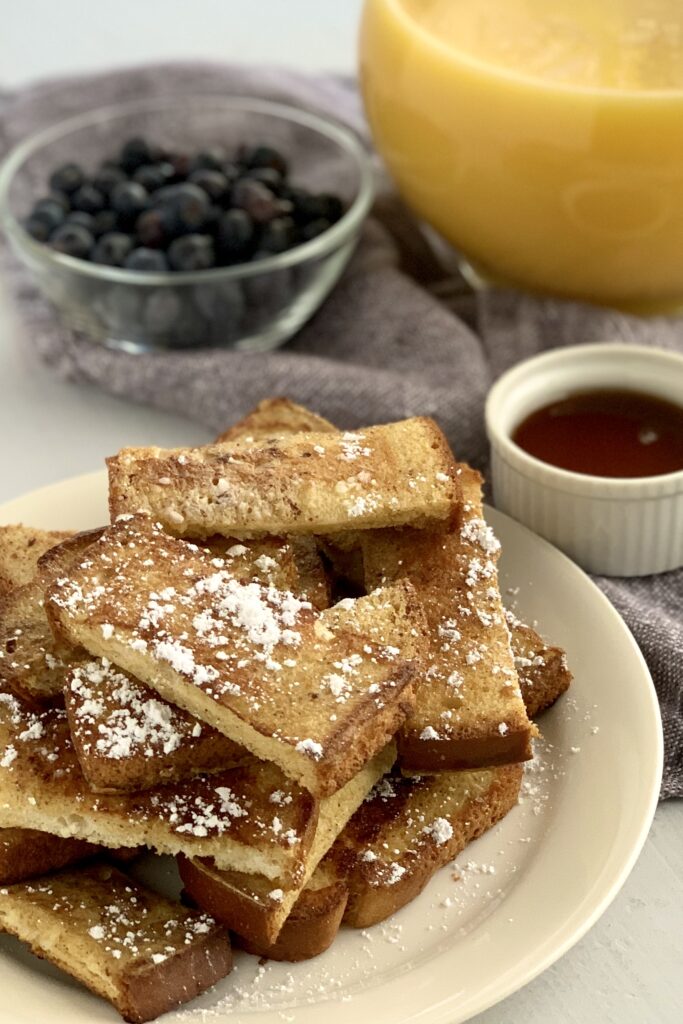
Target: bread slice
x=20 y=548
x=470 y=711
x=279 y=417
x=318 y=693
x=304 y=483
x=252 y=905
x=411 y=827
x=127 y=739
x=25 y=853
x=542 y=669
x=272 y=418
x=32 y=661
x=251 y=818
x=313 y=922
x=140 y=951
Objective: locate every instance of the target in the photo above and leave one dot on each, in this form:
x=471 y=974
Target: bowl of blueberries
x=187 y=222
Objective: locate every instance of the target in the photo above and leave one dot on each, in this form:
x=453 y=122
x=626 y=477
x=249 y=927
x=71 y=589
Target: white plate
x=528 y=890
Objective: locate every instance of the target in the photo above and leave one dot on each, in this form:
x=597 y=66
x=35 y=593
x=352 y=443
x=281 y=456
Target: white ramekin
x=609 y=525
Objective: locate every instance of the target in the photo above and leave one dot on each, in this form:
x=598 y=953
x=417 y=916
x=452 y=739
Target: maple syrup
x=606 y=433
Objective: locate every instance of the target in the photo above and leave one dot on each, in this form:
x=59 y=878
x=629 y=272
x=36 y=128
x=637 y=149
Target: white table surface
x=629 y=968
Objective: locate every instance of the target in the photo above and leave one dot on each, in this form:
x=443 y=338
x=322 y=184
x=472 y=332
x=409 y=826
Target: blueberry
x=155 y=228
x=67 y=178
x=61 y=198
x=181 y=164
x=128 y=199
x=162 y=310
x=72 y=240
x=231 y=172
x=214 y=183
x=111 y=249
x=187 y=203
x=191 y=252
x=150 y=260
x=37 y=228
x=307 y=207
x=268 y=176
x=266 y=156
x=86 y=220
x=107 y=177
x=234 y=235
x=50 y=211
x=136 y=152
x=88 y=199
x=277 y=236
x=314 y=228
x=255 y=199
x=154 y=176
x=210 y=159
x=105 y=220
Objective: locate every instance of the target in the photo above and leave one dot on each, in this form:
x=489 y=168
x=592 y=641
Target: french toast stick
x=411 y=827
x=318 y=693
x=301 y=483
x=469 y=712
x=542 y=668
x=142 y=952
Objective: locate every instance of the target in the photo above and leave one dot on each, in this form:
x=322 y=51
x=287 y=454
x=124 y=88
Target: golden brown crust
x=462 y=754
x=396 y=841
x=310 y=929
x=301 y=483
x=20 y=548
x=543 y=671
x=32 y=661
x=142 y=952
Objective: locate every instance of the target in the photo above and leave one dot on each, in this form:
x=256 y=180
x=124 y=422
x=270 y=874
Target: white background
x=629 y=969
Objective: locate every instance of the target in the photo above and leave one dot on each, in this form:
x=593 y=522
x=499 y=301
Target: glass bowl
x=251 y=306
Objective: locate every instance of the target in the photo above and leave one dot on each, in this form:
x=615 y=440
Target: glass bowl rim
x=323 y=244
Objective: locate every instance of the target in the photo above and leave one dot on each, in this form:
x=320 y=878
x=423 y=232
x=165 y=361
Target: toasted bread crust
x=142 y=952
x=311 y=927
x=20 y=548
x=543 y=671
x=466 y=754
x=303 y=483
x=32 y=661
x=467 y=804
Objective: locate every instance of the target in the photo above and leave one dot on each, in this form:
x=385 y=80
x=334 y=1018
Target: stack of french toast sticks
x=286 y=663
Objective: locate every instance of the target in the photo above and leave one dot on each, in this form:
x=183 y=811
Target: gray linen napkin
x=398 y=336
